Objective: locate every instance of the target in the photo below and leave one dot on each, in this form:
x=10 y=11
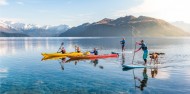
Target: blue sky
x=76 y=12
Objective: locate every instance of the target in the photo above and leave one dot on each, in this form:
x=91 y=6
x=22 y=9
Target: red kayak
x=94 y=56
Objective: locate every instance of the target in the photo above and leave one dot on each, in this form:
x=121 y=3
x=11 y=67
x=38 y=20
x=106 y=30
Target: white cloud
x=12 y=19
x=171 y=10
x=20 y=3
x=44 y=11
x=3 y=2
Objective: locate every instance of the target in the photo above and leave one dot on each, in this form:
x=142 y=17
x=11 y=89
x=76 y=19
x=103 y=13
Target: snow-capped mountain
x=32 y=29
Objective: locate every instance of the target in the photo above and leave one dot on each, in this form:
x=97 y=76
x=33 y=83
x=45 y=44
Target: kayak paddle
x=60 y=46
x=134 y=54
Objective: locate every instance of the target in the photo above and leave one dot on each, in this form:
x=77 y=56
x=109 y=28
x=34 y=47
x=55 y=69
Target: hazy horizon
x=76 y=12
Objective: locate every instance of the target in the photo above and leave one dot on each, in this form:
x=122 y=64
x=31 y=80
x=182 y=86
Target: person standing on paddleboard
x=145 y=50
x=123 y=44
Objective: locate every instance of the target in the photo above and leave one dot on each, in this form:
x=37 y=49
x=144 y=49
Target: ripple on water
x=3 y=72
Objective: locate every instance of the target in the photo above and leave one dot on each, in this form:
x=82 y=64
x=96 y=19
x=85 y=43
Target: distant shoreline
x=85 y=37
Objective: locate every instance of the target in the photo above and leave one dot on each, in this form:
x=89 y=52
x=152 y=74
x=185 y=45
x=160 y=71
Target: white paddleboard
x=140 y=66
x=133 y=66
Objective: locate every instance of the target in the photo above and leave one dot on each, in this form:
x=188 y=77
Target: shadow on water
x=141 y=82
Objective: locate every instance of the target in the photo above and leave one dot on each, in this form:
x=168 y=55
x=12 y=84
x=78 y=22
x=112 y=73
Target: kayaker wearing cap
x=63 y=50
x=95 y=51
x=145 y=50
x=123 y=44
x=78 y=49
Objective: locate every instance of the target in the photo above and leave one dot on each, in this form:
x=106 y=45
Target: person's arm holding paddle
x=60 y=47
x=139 y=48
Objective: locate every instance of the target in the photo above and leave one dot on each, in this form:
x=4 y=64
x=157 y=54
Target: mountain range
x=9 y=28
x=141 y=26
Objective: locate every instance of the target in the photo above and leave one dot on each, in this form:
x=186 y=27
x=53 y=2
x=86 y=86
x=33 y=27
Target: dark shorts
x=145 y=54
x=122 y=46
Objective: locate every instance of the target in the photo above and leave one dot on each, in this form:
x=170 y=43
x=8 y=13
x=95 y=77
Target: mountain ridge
x=32 y=29
x=125 y=26
x=141 y=26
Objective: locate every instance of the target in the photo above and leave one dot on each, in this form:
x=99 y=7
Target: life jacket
x=144 y=47
x=123 y=42
x=95 y=52
x=78 y=50
x=63 y=51
x=87 y=53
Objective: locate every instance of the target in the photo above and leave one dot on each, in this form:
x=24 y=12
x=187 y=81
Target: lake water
x=23 y=72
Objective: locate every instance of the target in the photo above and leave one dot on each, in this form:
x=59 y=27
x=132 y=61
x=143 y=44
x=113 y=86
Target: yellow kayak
x=53 y=58
x=62 y=55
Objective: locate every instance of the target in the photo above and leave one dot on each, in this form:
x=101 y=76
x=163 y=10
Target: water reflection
x=154 y=72
x=62 y=61
x=143 y=81
x=95 y=62
x=3 y=73
x=123 y=58
x=16 y=45
x=23 y=67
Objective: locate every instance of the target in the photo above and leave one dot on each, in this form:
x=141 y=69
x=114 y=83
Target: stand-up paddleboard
x=127 y=69
x=130 y=52
x=131 y=66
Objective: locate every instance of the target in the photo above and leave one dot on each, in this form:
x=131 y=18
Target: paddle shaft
x=134 y=77
x=134 y=54
x=60 y=46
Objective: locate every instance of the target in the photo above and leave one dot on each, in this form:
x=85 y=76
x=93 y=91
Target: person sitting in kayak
x=95 y=51
x=145 y=50
x=123 y=44
x=63 y=51
x=78 y=50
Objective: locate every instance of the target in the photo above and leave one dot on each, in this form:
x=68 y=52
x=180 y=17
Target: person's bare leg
x=145 y=61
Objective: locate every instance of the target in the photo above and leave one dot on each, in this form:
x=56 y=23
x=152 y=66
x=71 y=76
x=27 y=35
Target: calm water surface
x=23 y=72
